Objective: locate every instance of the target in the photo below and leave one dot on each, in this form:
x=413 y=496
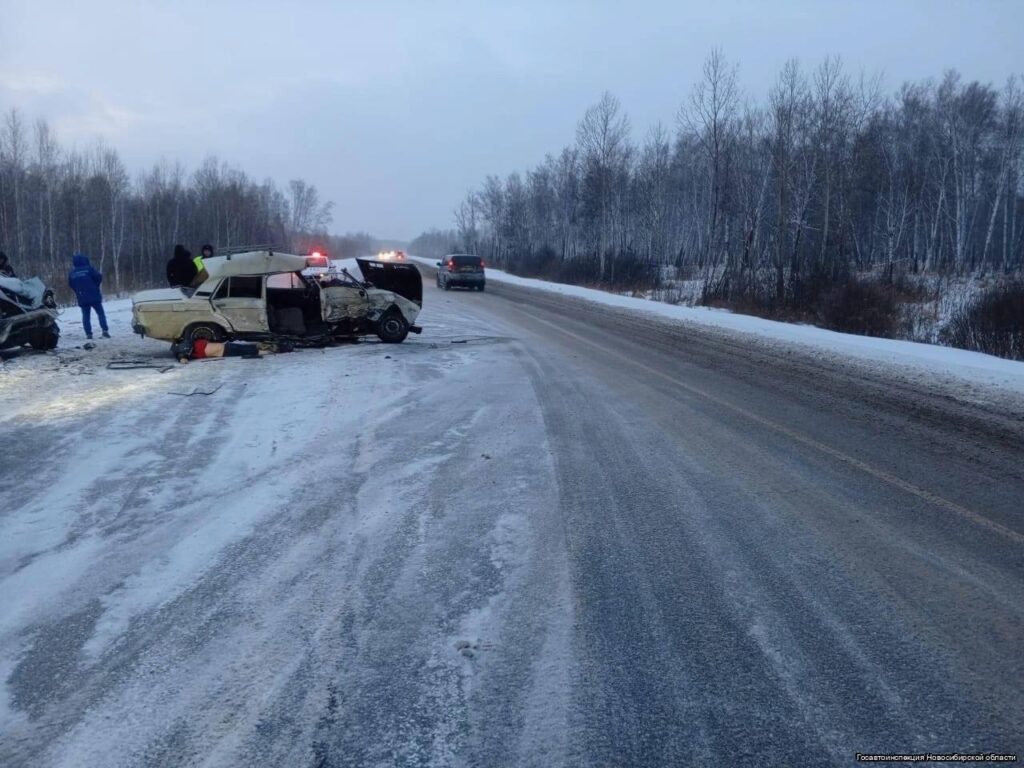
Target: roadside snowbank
x=926 y=359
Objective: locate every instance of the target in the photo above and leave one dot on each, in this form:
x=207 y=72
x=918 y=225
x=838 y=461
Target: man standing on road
x=85 y=281
x=6 y=270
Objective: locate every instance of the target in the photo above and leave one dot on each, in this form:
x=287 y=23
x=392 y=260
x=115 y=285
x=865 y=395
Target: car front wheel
x=45 y=339
x=393 y=328
x=206 y=331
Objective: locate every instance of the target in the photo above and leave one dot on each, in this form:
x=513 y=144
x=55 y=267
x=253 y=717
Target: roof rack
x=232 y=250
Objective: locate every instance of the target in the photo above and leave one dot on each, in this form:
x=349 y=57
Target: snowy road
x=539 y=534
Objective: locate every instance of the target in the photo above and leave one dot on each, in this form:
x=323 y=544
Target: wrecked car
x=265 y=296
x=28 y=314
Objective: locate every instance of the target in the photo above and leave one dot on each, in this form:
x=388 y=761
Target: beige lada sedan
x=265 y=295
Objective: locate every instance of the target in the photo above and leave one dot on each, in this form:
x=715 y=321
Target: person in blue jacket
x=85 y=281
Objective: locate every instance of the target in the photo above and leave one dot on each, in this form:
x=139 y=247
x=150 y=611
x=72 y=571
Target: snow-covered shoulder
x=908 y=357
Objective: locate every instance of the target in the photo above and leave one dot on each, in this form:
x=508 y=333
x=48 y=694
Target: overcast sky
x=394 y=110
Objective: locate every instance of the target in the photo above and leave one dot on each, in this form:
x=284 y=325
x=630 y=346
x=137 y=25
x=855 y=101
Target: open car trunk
x=401 y=278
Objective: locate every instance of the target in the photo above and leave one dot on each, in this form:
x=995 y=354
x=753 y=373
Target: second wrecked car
x=264 y=295
x=28 y=314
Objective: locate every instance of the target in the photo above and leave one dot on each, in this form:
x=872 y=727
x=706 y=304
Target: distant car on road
x=459 y=269
x=391 y=256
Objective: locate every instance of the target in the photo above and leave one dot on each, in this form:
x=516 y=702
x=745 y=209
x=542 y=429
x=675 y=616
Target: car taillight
x=451 y=266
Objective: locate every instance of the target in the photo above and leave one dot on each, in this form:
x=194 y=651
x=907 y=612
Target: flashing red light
x=317 y=259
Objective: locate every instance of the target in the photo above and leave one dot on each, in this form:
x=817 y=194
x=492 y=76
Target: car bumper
x=468 y=278
x=15 y=331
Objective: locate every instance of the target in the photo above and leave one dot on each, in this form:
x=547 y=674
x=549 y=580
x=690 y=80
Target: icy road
x=543 y=533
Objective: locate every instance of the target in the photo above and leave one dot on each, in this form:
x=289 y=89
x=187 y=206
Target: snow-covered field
x=904 y=357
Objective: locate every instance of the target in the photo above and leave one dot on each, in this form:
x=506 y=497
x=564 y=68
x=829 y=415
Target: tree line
x=769 y=201
x=55 y=201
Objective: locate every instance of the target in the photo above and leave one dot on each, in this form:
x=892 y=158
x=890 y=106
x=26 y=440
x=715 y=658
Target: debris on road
x=197 y=391
x=131 y=365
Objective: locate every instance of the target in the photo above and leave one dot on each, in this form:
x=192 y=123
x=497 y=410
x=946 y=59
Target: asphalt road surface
x=577 y=537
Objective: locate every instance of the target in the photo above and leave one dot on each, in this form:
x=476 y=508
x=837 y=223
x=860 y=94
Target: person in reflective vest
x=201 y=274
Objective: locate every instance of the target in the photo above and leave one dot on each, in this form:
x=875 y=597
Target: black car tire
x=447 y=285
x=207 y=331
x=45 y=339
x=480 y=288
x=393 y=328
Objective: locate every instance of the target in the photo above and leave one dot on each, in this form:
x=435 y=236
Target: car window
x=246 y=287
x=465 y=261
x=222 y=290
x=283 y=280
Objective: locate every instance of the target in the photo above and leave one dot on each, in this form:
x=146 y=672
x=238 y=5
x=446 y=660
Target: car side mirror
x=439 y=264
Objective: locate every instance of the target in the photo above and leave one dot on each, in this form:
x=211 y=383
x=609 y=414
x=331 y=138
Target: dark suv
x=460 y=269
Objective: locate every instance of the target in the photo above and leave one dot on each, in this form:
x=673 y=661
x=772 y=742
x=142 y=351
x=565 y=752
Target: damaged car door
x=239 y=299
x=344 y=302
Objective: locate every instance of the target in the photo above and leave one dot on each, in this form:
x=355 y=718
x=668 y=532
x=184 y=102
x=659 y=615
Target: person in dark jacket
x=181 y=269
x=6 y=270
x=85 y=281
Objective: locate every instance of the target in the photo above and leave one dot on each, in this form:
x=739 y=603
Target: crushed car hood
x=25 y=294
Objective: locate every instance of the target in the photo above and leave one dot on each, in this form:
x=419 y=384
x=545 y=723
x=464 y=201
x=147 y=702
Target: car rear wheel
x=447 y=285
x=206 y=331
x=393 y=328
x=480 y=288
